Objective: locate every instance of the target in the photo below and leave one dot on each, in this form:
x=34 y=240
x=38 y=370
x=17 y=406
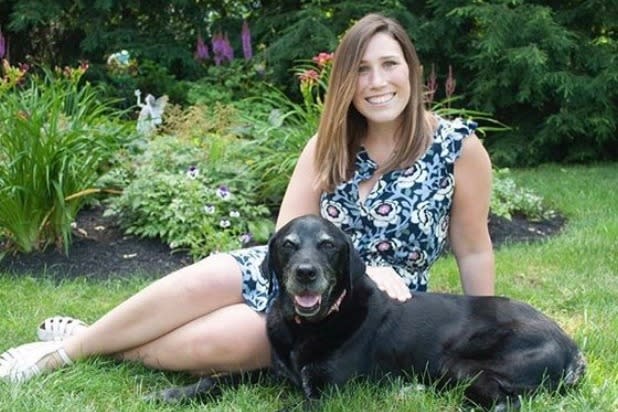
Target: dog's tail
x=576 y=370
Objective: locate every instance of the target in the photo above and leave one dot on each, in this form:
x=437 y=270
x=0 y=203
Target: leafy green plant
x=188 y=193
x=280 y=132
x=55 y=136
x=508 y=198
x=229 y=83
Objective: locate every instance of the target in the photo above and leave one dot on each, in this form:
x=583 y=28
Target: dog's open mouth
x=307 y=304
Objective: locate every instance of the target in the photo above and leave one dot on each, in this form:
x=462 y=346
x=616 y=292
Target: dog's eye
x=326 y=244
x=288 y=244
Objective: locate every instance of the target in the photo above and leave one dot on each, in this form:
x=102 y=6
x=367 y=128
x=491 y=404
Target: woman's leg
x=176 y=300
x=230 y=339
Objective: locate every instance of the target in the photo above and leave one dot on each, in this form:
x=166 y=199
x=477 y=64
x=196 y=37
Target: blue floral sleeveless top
x=404 y=220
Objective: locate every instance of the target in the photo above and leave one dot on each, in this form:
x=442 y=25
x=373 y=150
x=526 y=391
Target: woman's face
x=383 y=85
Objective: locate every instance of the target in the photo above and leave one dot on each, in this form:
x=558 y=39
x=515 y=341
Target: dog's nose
x=305 y=272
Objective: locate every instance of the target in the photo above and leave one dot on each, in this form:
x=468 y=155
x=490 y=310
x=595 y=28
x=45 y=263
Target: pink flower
x=384 y=209
x=309 y=76
x=246 y=41
x=450 y=82
x=201 y=50
x=323 y=59
x=432 y=84
x=2 y=45
x=383 y=246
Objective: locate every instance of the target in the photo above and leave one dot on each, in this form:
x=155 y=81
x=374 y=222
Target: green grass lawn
x=572 y=277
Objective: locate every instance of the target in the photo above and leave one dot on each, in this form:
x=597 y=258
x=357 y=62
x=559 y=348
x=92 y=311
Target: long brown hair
x=342 y=126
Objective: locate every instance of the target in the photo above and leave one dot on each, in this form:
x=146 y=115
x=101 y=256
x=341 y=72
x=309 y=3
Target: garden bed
x=100 y=250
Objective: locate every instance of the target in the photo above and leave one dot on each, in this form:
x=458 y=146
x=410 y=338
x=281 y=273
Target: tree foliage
x=551 y=70
x=547 y=68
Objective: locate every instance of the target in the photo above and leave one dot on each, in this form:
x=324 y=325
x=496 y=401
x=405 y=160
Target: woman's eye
x=390 y=64
x=363 y=69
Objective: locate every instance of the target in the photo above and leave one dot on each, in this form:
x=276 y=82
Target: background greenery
x=571 y=277
x=547 y=68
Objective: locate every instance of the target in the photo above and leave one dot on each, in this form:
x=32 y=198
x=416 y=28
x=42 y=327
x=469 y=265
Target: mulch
x=100 y=249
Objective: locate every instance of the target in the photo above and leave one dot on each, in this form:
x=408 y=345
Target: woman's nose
x=377 y=78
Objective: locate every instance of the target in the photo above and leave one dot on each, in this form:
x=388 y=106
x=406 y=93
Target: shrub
x=186 y=190
x=55 y=137
x=548 y=68
x=229 y=83
x=508 y=199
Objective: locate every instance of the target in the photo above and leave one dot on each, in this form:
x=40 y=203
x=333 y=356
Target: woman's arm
x=468 y=233
x=301 y=197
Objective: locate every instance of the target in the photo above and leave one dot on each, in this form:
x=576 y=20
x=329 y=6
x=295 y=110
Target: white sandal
x=58 y=328
x=19 y=364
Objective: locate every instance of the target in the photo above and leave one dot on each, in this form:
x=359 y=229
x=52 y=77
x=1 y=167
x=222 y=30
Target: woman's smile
x=380 y=99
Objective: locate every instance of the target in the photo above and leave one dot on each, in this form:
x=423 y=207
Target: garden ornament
x=151 y=112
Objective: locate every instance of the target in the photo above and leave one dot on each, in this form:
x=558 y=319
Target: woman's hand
x=390 y=282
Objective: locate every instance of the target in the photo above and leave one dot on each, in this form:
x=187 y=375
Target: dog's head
x=314 y=263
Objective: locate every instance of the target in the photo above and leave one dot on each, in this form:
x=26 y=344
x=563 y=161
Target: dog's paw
x=180 y=394
x=169 y=395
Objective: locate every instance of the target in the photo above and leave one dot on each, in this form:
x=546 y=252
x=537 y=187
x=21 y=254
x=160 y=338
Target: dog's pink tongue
x=307 y=301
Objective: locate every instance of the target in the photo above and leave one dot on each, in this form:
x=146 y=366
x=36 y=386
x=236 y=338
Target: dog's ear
x=355 y=265
x=268 y=265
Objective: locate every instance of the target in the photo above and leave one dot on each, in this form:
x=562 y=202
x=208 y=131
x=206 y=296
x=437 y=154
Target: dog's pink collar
x=333 y=308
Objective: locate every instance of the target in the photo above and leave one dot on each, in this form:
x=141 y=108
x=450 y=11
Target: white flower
x=385 y=213
x=209 y=209
x=446 y=188
x=442 y=229
x=387 y=247
x=418 y=258
x=234 y=213
x=334 y=212
x=224 y=223
x=415 y=174
x=223 y=192
x=423 y=217
x=193 y=172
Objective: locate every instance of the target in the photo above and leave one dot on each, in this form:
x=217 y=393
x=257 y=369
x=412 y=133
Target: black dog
x=330 y=324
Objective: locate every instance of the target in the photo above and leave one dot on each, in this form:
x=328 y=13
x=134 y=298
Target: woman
x=395 y=177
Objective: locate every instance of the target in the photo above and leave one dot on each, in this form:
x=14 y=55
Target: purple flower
x=246 y=41
x=221 y=48
x=193 y=172
x=245 y=238
x=201 y=50
x=223 y=192
x=2 y=45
